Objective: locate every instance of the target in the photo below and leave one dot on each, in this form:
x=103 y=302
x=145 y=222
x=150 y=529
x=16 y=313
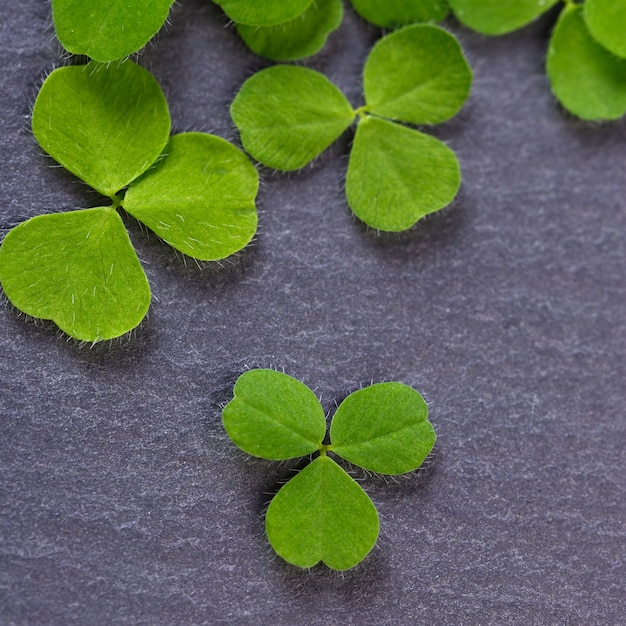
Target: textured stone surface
x=123 y=502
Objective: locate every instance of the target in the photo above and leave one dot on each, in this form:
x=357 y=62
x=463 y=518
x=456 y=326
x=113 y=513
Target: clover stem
x=117 y=201
x=361 y=111
x=324 y=448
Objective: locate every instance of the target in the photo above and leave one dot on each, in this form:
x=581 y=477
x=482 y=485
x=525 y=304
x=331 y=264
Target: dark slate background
x=123 y=502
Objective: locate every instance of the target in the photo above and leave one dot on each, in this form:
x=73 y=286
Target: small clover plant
x=322 y=514
x=110 y=126
x=106 y=30
x=288 y=115
x=586 y=61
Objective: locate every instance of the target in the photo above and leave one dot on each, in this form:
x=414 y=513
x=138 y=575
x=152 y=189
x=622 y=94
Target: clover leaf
x=301 y=37
x=274 y=416
x=498 y=17
x=200 y=198
x=79 y=269
x=417 y=75
x=394 y=13
x=586 y=78
x=606 y=20
x=289 y=115
x=371 y=428
x=107 y=30
x=263 y=12
x=308 y=113
x=118 y=126
x=397 y=175
x=322 y=514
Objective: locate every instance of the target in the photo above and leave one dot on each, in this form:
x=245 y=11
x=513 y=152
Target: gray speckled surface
x=123 y=502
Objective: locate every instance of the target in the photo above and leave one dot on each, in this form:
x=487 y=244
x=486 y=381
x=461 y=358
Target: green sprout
x=586 y=61
x=322 y=514
x=396 y=174
x=195 y=191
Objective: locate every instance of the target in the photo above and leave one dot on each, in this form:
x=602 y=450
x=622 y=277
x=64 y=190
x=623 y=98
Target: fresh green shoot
x=108 y=31
x=263 y=12
x=322 y=514
x=586 y=61
x=589 y=81
x=416 y=75
x=298 y=38
x=196 y=191
x=396 y=13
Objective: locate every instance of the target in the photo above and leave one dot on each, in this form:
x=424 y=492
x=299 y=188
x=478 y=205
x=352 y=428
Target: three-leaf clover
x=108 y=30
x=109 y=126
x=322 y=514
x=288 y=115
x=586 y=61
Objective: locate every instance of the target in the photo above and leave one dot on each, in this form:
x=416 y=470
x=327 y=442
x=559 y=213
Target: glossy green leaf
x=299 y=38
x=394 y=13
x=107 y=30
x=289 y=115
x=77 y=269
x=199 y=198
x=497 y=17
x=587 y=79
x=383 y=428
x=397 y=175
x=606 y=20
x=418 y=75
x=263 y=12
x=274 y=416
x=322 y=514
x=107 y=125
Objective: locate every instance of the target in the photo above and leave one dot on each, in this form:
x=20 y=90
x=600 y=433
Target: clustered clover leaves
x=586 y=60
x=195 y=191
x=275 y=29
x=288 y=115
x=323 y=514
